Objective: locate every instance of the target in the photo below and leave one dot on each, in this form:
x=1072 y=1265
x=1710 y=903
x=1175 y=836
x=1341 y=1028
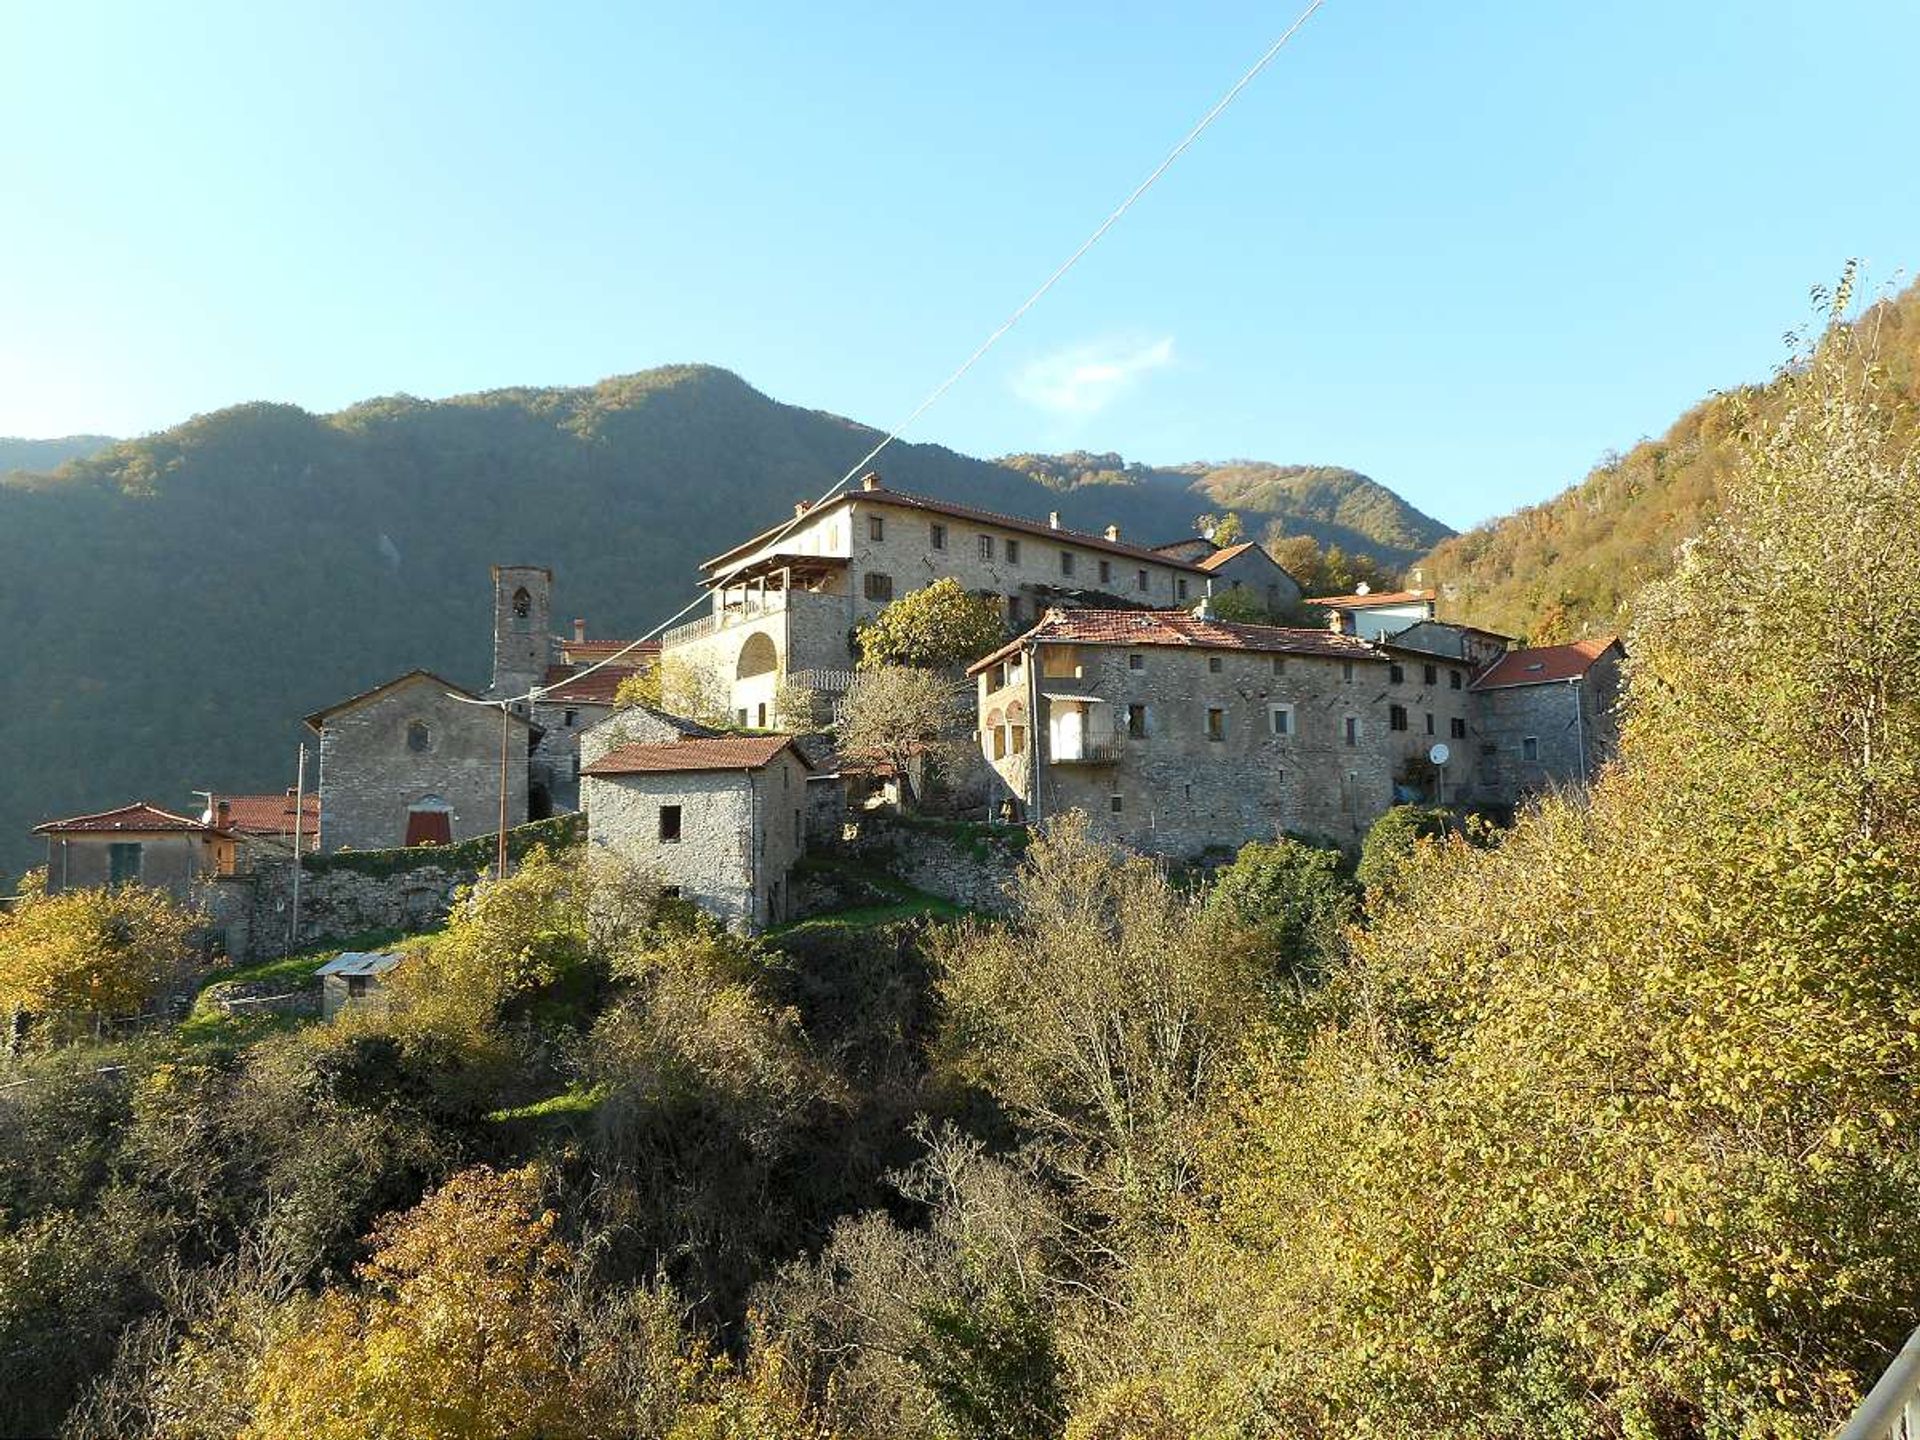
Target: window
x=418 y=736
x=1013 y=607
x=879 y=587
x=1430 y=674
x=522 y=604
x=1140 y=580
x=1457 y=727
x=670 y=823
x=573 y=766
x=1396 y=717
x=760 y=715
x=1279 y=664
x=123 y=864
x=1530 y=748
x=1180 y=588
x=1213 y=664
x=1013 y=552
x=1280 y=719
x=1216 y=723
x=1106 y=572
x=986 y=547
x=1136 y=662
x=1430 y=729
x=1453 y=678
x=937 y=535
x=1397 y=674
x=876 y=527
x=796 y=827
x=1116 y=803
x=672 y=892
x=1136 y=722
x=1066 y=562
x=1353 y=730
x=571 y=719
x=1346 y=671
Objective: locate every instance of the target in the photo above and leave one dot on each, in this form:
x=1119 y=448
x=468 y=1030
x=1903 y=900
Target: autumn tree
x=1222 y=530
x=906 y=719
x=941 y=626
x=86 y=953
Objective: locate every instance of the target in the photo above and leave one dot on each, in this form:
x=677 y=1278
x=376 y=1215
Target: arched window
x=418 y=736
x=759 y=656
x=522 y=603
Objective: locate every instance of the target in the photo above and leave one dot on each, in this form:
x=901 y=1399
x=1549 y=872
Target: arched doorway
x=429 y=821
x=756 y=679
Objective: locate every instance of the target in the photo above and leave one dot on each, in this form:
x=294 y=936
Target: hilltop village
x=1121 y=692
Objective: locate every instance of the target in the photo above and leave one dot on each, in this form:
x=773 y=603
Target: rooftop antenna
x=206 y=815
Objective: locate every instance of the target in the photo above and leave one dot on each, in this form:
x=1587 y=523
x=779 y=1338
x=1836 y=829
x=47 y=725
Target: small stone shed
x=718 y=820
x=353 y=978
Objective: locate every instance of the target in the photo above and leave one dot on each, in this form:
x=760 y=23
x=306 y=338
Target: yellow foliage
x=91 y=952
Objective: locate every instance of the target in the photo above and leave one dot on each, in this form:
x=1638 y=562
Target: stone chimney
x=579 y=631
x=870 y=480
x=1113 y=533
x=1204 y=610
x=222 y=815
x=1053 y=519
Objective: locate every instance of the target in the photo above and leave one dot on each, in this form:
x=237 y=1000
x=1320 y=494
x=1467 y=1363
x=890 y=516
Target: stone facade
x=726 y=839
x=1533 y=737
x=1249 y=567
x=410 y=748
x=174 y=863
x=806 y=592
x=1430 y=701
x=1175 y=749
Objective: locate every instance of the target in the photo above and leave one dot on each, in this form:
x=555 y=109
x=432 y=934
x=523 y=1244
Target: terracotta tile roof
x=1038 y=528
x=140 y=818
x=1371 y=599
x=598 y=688
x=585 y=652
x=1226 y=556
x=726 y=752
x=1180 y=628
x=1545 y=664
x=270 y=815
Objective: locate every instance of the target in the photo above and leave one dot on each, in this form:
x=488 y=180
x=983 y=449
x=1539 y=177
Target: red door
x=429 y=827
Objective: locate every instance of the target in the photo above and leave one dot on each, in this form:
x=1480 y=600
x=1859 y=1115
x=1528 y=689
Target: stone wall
x=966 y=862
x=740 y=832
x=357 y=893
x=371 y=772
x=1175 y=791
x=1574 y=730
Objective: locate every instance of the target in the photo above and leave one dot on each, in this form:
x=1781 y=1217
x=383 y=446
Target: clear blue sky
x=1465 y=248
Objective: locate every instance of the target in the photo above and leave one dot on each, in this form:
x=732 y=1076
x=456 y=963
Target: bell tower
x=522 y=628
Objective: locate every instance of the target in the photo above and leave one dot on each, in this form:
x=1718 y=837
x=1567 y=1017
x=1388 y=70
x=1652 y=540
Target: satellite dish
x=1439 y=754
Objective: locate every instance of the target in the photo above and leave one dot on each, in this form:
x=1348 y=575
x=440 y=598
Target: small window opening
x=670 y=823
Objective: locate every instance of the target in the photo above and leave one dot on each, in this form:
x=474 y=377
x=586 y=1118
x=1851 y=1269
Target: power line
x=933 y=396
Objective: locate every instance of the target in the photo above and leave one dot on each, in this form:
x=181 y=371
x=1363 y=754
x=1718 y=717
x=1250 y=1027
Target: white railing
x=1891 y=1410
x=751 y=606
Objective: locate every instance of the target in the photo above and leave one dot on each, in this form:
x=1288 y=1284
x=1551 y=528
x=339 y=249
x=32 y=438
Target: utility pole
x=299 y=816
x=500 y=855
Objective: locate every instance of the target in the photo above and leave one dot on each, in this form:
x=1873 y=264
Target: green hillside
x=174 y=603
x=1571 y=565
x=1334 y=505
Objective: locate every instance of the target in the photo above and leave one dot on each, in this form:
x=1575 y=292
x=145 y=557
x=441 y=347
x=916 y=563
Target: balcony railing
x=1891 y=1410
x=750 y=606
x=1086 y=752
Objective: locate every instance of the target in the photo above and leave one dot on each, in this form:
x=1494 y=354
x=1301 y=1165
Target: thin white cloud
x=1085 y=379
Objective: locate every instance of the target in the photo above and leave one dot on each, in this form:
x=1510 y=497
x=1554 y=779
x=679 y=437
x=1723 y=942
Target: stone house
x=1245 y=566
x=570 y=693
x=1371 y=614
x=1547 y=717
x=138 y=844
x=415 y=761
x=785 y=604
x=718 y=820
x=267 y=824
x=1175 y=733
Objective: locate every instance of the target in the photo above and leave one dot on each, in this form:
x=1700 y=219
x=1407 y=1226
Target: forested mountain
x=1334 y=505
x=1571 y=565
x=19 y=454
x=173 y=604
